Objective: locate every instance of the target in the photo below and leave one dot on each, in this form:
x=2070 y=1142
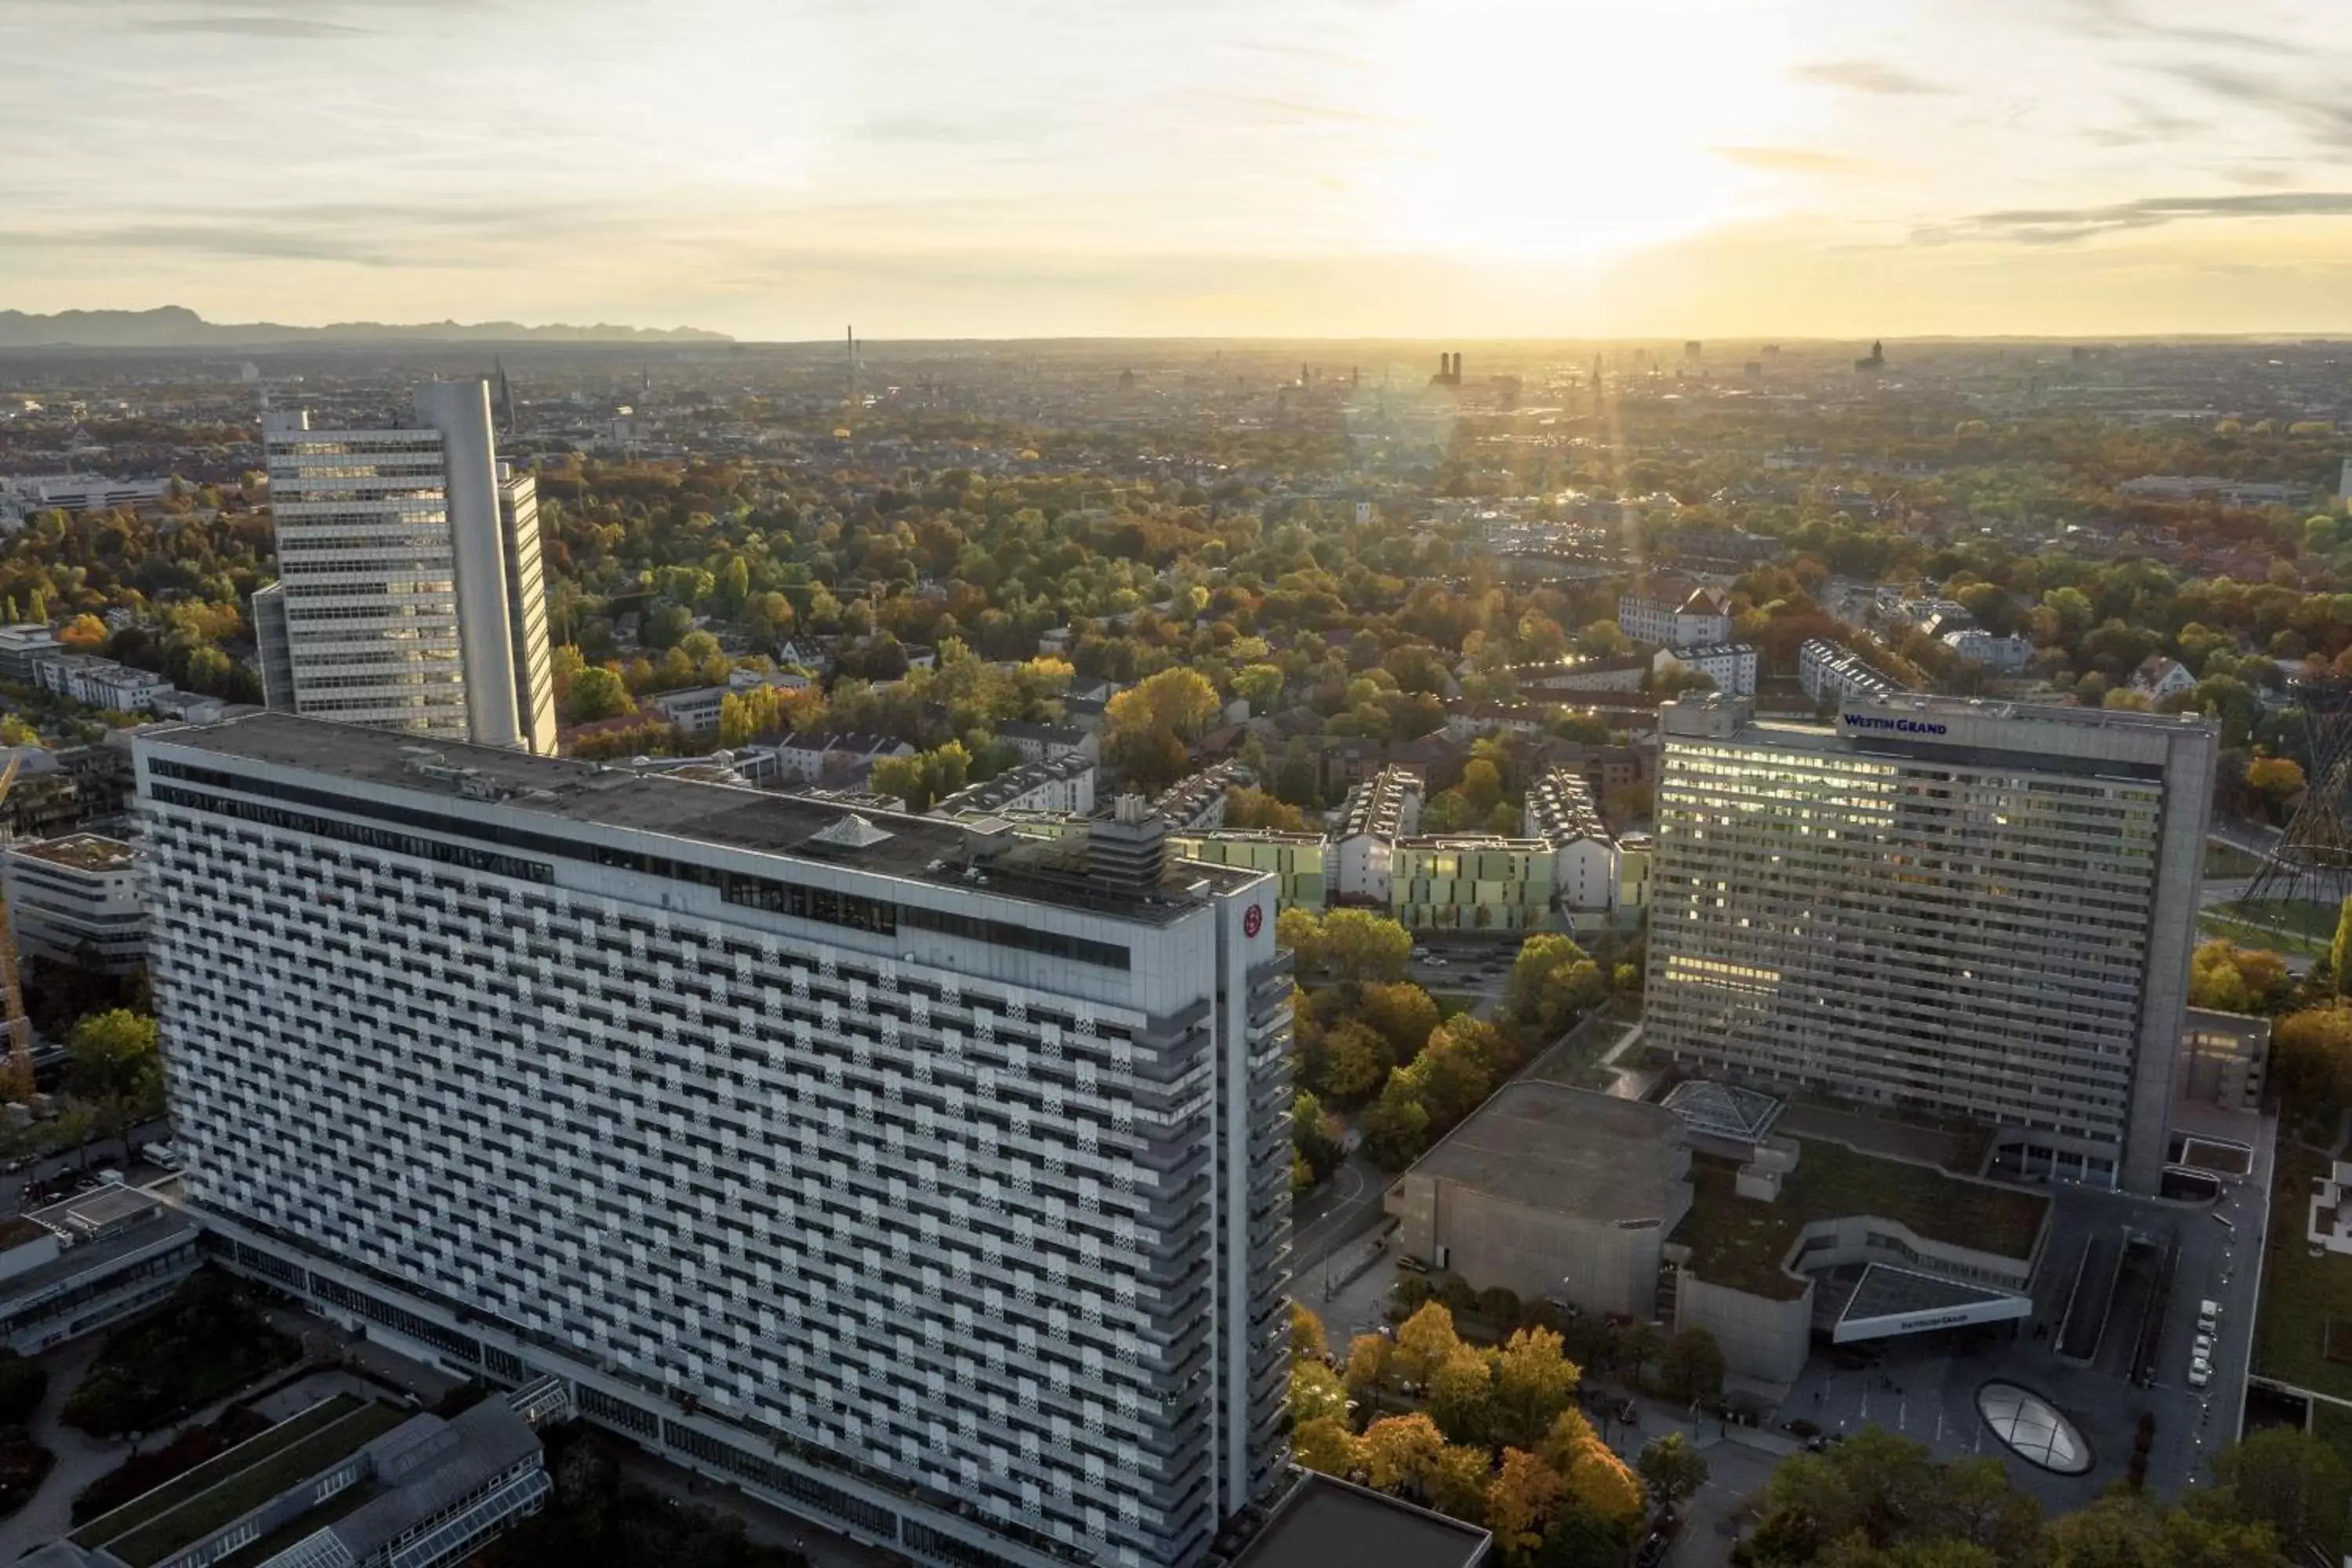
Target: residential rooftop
x=490 y=780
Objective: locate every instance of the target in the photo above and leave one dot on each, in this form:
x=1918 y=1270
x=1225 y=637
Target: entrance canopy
x=1888 y=1301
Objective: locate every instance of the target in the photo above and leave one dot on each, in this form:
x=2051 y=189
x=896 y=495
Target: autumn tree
x=1306 y=1332
x=1301 y=930
x=1401 y=1450
x=1401 y=1013
x=1252 y=808
x=1520 y=1501
x=1326 y=1445
x=1316 y=1392
x=1369 y=1360
x=1533 y=1382
x=1425 y=1342
x=1358 y=945
x=925 y=779
x=2311 y=1057
x=2274 y=782
x=83 y=634
x=2232 y=979
x=1596 y=1478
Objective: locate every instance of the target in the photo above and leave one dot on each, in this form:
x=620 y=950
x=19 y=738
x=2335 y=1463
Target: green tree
x=2292 y=1481
x=1693 y=1365
x=598 y=693
x=1672 y=1468
x=1358 y=945
x=113 y=1056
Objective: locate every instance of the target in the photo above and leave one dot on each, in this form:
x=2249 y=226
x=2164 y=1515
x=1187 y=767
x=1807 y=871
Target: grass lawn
x=1739 y=1242
x=2301 y=1293
x=2279 y=931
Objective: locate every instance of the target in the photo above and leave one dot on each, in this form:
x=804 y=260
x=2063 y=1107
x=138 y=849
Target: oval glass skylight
x=2033 y=1431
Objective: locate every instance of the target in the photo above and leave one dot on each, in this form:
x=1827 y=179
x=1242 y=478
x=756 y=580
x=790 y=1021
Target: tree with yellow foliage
x=1534 y=1382
x=1368 y=1356
x=1598 y=1481
x=1307 y=1332
x=1520 y=1501
x=1315 y=1394
x=1401 y=1450
x=1425 y=1343
x=1462 y=1394
x=1325 y=1443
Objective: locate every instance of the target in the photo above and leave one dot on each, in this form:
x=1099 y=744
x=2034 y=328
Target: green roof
x=236 y=1494
x=1740 y=1242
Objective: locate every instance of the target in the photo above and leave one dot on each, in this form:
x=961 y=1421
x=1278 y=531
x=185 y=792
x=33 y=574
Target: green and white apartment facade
x=1958 y=907
x=928 y=1182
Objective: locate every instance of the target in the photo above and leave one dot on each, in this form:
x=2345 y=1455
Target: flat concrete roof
x=728 y=815
x=1567 y=1150
x=1325 y=1524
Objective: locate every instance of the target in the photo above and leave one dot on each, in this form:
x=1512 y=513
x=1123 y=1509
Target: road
x=12 y=1187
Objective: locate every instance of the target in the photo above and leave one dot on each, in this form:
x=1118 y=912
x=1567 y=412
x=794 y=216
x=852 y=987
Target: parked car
x=2200 y=1373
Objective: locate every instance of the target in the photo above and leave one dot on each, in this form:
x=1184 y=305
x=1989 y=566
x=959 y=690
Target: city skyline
x=1808 y=168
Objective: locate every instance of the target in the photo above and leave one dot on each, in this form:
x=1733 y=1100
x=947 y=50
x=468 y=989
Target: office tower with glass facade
x=1960 y=907
x=929 y=1182
x=408 y=592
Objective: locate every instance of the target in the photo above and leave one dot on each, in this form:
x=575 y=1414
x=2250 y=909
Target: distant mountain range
x=177 y=327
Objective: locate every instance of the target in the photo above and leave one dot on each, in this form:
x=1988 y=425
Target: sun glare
x=1572 y=129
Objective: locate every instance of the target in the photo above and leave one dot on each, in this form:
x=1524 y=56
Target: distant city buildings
x=1831 y=674
x=1674 y=612
x=926 y=1181
x=1731 y=666
x=2206 y=487
x=1958 y=907
x=409 y=592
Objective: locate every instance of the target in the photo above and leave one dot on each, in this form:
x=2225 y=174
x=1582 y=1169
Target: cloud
x=287 y=28
x=2065 y=225
x=1788 y=160
x=2119 y=21
x=1868 y=76
x=2323 y=113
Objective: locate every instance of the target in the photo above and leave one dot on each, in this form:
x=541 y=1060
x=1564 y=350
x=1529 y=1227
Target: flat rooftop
x=732 y=816
x=1740 y=1242
x=149 y=1223
x=1325 y=1524
x=83 y=852
x=1568 y=1150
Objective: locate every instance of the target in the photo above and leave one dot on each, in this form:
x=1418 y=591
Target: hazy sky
x=775 y=168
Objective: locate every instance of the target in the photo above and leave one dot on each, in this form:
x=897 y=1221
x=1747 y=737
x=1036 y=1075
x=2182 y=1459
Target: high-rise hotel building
x=408 y=591
x=1953 y=906
x=929 y=1183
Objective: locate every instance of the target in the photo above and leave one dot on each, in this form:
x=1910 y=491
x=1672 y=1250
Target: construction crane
x=19 y=1027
